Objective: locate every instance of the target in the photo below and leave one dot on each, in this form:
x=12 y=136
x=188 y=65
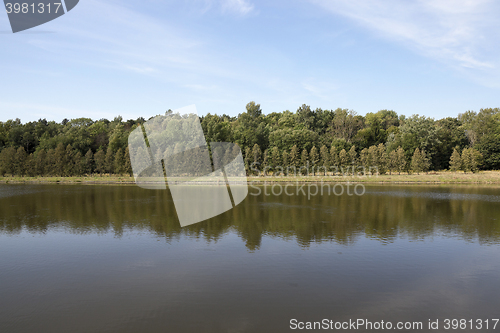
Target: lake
x=106 y=258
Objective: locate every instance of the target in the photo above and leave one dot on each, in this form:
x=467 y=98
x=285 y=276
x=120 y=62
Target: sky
x=132 y=58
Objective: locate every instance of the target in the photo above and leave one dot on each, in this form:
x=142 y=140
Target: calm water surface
x=114 y=259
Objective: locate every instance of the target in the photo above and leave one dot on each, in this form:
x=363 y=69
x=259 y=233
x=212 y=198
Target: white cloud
x=324 y=90
x=453 y=31
x=228 y=7
x=242 y=7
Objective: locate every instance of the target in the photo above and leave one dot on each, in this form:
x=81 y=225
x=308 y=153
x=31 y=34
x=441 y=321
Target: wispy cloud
x=242 y=7
x=324 y=90
x=225 y=7
x=453 y=31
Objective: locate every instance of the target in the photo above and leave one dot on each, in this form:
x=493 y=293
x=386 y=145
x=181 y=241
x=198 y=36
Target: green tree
x=7 y=161
x=419 y=161
x=248 y=159
x=50 y=166
x=382 y=158
x=364 y=158
x=250 y=128
x=401 y=160
x=20 y=161
x=353 y=156
x=392 y=161
x=425 y=160
x=373 y=158
x=334 y=156
x=88 y=164
x=285 y=161
x=294 y=157
x=257 y=155
x=471 y=159
x=455 y=161
x=109 y=161
x=275 y=158
x=343 y=159
x=41 y=162
x=119 y=162
x=78 y=163
x=128 y=165
x=30 y=170
x=265 y=161
x=325 y=159
x=59 y=159
x=477 y=160
x=314 y=159
x=69 y=162
x=304 y=161
x=419 y=132
x=100 y=161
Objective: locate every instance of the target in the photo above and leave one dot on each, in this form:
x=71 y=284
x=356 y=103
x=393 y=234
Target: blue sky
x=139 y=58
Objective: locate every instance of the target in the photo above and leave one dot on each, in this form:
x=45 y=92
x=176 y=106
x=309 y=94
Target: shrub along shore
x=437 y=177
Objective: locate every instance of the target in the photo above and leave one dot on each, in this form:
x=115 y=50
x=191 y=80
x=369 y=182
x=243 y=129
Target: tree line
x=371 y=161
x=319 y=139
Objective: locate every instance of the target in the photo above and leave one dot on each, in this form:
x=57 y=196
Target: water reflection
x=383 y=212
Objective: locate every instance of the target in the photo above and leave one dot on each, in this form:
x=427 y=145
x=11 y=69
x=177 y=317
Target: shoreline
x=433 y=178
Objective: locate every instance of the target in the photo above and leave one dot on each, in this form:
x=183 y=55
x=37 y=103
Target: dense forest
x=324 y=140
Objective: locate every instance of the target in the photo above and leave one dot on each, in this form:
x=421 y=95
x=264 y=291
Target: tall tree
x=334 y=156
x=471 y=159
x=59 y=159
x=353 y=156
x=100 y=161
x=373 y=157
x=401 y=160
x=88 y=165
x=69 y=162
x=128 y=166
x=382 y=158
x=417 y=162
x=119 y=162
x=78 y=163
x=304 y=161
x=20 y=161
x=257 y=156
x=294 y=157
x=325 y=159
x=41 y=162
x=392 y=161
x=314 y=159
x=285 y=161
x=275 y=158
x=248 y=159
x=365 y=158
x=455 y=161
x=265 y=160
x=109 y=161
x=7 y=161
x=343 y=159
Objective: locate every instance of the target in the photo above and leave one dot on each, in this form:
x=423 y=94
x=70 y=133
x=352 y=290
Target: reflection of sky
x=60 y=280
x=437 y=195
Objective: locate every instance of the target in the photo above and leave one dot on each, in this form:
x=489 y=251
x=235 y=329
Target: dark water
x=114 y=259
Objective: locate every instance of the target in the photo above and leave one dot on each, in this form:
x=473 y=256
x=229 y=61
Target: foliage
x=326 y=139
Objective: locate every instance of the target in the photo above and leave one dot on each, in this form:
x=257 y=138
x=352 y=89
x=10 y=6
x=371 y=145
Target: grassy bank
x=442 y=177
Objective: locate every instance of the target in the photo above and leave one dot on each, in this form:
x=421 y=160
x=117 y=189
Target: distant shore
x=440 y=177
